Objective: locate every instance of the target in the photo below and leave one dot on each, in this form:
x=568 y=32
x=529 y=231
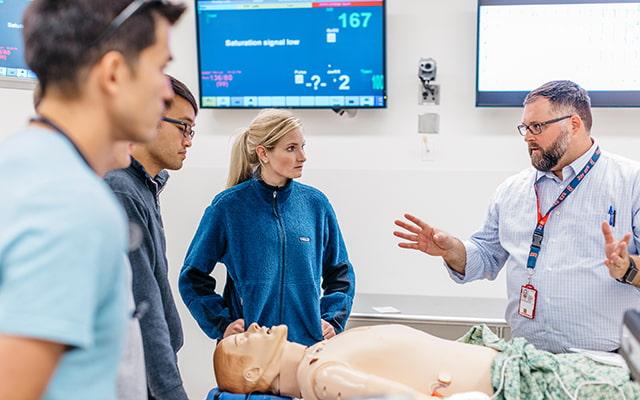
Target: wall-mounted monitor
x=523 y=44
x=14 y=73
x=291 y=53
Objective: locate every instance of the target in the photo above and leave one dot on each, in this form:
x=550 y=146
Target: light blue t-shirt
x=62 y=272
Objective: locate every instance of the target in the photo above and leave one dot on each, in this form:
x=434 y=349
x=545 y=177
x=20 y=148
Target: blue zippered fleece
x=281 y=246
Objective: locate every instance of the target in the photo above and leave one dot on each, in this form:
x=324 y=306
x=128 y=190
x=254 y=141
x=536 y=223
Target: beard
x=545 y=160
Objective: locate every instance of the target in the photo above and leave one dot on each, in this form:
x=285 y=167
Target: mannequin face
x=258 y=342
x=254 y=353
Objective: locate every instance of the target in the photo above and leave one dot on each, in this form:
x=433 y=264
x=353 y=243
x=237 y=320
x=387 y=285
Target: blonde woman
x=279 y=240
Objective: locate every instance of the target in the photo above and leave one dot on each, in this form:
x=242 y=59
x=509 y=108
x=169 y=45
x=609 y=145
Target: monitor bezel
x=599 y=98
x=384 y=71
x=18 y=83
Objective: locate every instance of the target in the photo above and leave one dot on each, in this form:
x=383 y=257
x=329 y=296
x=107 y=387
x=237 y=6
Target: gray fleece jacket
x=160 y=324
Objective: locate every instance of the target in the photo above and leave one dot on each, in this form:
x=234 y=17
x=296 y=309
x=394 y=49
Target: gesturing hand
x=616 y=251
x=422 y=236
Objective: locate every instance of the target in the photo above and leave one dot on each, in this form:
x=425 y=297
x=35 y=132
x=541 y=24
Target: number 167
x=355 y=19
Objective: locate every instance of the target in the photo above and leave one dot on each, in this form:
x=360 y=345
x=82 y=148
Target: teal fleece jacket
x=285 y=257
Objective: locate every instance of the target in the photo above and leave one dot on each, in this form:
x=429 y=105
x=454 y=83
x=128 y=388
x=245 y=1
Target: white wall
x=369 y=166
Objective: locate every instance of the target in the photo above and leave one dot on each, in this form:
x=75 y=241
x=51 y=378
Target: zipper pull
x=275 y=212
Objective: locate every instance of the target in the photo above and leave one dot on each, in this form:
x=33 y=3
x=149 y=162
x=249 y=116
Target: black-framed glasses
x=537 y=127
x=124 y=15
x=187 y=128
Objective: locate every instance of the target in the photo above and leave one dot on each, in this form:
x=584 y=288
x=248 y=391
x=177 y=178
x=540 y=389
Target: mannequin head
x=249 y=361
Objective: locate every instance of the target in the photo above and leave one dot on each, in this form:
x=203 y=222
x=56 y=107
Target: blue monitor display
x=525 y=43
x=291 y=53
x=13 y=70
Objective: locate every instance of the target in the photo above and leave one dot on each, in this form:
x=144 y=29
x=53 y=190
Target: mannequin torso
x=392 y=359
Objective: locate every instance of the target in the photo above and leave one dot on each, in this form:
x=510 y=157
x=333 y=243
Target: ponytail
x=240 y=168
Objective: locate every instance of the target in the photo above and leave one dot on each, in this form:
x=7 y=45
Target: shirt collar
x=569 y=171
x=156 y=183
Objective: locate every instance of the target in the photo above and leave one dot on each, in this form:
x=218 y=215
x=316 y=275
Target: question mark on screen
x=316 y=81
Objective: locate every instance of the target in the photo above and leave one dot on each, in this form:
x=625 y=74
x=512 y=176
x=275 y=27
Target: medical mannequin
x=401 y=362
x=363 y=362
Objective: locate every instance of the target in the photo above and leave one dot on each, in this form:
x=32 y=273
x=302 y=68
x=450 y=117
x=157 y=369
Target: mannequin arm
x=334 y=381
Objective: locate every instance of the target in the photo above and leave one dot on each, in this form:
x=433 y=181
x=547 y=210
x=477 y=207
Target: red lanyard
x=538 y=233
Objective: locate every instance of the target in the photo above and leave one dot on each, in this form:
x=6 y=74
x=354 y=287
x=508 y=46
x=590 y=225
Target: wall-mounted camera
x=429 y=92
x=427 y=69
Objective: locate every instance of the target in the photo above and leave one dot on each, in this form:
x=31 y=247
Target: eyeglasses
x=537 y=127
x=187 y=128
x=124 y=15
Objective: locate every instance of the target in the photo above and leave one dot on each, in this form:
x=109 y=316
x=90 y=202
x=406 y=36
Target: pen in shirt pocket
x=612 y=216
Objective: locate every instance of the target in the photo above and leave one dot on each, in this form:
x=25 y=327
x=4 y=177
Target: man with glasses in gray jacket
x=138 y=188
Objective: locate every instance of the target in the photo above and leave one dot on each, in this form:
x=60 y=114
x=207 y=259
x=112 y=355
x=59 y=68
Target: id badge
x=528 y=298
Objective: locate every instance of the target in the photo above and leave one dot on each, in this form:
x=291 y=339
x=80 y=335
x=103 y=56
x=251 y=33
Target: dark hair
x=565 y=96
x=60 y=36
x=180 y=89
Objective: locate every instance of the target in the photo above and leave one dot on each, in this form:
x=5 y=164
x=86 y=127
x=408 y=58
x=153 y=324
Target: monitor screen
x=523 y=44
x=13 y=70
x=291 y=53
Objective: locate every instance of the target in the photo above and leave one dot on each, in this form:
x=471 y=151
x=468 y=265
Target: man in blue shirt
x=544 y=228
x=62 y=271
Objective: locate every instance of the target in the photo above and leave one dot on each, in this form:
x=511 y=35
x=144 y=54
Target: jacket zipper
x=282 y=263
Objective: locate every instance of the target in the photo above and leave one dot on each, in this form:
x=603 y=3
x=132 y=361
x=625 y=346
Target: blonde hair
x=266 y=129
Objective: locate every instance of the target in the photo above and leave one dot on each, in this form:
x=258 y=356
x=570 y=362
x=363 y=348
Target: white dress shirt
x=579 y=304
